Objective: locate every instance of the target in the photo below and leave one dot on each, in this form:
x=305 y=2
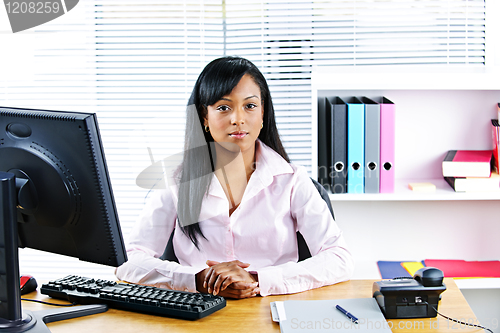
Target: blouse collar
x=268 y=164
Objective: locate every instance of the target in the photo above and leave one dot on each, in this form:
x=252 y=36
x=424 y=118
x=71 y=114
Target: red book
x=467 y=163
x=495 y=131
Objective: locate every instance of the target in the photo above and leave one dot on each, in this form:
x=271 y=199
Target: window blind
x=134 y=63
x=148 y=57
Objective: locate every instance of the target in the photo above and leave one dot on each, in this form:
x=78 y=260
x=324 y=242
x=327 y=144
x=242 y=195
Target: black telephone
x=416 y=297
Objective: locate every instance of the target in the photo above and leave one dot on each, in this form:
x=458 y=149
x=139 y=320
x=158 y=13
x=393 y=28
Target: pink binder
x=387 y=146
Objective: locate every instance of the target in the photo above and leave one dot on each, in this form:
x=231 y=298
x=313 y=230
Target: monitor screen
x=63 y=198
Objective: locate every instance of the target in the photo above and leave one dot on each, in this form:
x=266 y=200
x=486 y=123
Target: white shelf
x=403 y=193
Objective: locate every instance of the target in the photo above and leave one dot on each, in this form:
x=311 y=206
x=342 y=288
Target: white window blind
x=148 y=57
x=135 y=62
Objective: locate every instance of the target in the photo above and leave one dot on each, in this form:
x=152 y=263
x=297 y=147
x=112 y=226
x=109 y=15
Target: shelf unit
x=437 y=109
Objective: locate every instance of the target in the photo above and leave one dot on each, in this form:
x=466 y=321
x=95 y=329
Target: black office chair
x=304 y=253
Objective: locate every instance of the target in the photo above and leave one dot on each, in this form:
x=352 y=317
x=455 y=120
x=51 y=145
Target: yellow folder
x=412 y=266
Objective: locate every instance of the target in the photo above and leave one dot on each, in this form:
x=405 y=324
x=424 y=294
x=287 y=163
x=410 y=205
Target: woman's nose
x=238 y=117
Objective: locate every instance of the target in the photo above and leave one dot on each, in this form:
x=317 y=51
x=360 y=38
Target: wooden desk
x=254 y=315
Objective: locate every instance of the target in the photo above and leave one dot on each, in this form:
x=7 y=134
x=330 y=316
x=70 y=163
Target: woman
x=235 y=203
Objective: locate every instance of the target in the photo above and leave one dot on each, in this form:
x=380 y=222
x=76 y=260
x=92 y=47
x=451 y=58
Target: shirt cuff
x=270 y=281
x=184 y=278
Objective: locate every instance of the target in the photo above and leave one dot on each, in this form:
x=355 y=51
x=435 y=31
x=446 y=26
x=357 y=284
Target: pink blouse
x=279 y=200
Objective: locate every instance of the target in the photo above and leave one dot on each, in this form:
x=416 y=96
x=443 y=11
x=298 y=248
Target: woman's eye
x=223 y=108
x=251 y=106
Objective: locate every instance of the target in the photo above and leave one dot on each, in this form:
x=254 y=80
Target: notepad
x=422 y=187
x=322 y=316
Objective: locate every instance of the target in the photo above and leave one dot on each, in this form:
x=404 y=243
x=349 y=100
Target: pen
x=348 y=314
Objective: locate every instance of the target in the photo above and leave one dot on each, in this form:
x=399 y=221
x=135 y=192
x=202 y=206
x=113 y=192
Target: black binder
x=336 y=120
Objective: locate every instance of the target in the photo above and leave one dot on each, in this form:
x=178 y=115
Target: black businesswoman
x=234 y=205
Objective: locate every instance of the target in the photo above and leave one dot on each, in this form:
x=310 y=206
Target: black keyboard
x=133 y=297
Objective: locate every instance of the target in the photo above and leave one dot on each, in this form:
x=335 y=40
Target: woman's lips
x=238 y=135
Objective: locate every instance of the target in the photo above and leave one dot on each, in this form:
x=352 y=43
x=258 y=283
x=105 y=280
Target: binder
x=372 y=145
x=323 y=165
x=336 y=114
x=355 y=145
x=387 y=145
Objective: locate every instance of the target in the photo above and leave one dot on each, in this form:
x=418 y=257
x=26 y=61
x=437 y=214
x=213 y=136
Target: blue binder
x=355 y=145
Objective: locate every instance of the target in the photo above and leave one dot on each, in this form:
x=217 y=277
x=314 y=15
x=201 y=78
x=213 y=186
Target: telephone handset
x=429 y=276
x=416 y=297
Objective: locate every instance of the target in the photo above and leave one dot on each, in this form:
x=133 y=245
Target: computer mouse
x=28 y=284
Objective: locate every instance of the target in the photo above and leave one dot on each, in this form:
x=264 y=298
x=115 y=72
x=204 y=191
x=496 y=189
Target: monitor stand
x=12 y=319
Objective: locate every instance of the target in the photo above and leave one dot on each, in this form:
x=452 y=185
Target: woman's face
x=236 y=119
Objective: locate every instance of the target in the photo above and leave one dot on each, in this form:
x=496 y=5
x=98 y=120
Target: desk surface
x=253 y=315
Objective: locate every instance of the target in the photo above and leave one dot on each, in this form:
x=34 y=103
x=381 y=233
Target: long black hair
x=216 y=80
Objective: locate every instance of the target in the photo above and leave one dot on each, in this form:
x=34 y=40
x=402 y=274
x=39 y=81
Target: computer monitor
x=55 y=196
